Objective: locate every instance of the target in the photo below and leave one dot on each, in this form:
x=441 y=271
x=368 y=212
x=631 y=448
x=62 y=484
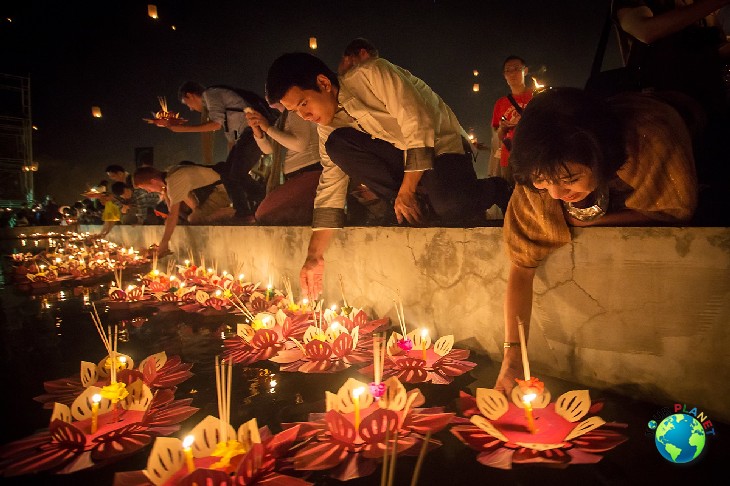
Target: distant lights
x=152 y=11
x=475 y=88
x=96 y=111
x=313 y=43
x=476 y=73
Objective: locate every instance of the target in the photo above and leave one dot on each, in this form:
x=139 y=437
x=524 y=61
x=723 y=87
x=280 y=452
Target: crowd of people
x=373 y=144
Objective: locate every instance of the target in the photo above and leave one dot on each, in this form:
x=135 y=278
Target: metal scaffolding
x=17 y=167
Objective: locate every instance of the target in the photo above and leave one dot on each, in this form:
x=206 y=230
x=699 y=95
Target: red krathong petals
x=264 y=338
x=319 y=456
x=295 y=326
x=120 y=442
x=340 y=427
x=342 y=346
x=424 y=422
x=410 y=370
x=375 y=426
x=318 y=350
x=208 y=477
x=254 y=465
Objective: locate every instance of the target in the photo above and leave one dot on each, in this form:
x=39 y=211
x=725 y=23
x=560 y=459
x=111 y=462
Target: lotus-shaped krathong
x=331 y=346
x=258 y=458
x=437 y=362
x=567 y=431
x=349 y=439
x=157 y=371
x=69 y=444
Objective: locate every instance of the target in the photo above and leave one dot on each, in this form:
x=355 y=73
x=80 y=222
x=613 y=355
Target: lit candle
x=269 y=292
x=356 y=401
x=424 y=335
x=240 y=277
x=95 y=412
x=527 y=399
x=187 y=263
x=188 y=449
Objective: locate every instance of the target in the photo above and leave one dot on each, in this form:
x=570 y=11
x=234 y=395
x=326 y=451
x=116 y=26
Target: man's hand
x=256 y=119
x=407 y=208
x=310 y=278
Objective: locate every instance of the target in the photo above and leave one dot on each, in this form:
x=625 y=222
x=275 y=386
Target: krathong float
x=102 y=425
x=214 y=453
x=350 y=439
x=414 y=358
x=530 y=429
x=164 y=117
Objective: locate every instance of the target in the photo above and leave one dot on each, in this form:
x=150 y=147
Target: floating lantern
x=475 y=88
x=96 y=112
x=312 y=42
x=152 y=11
x=476 y=73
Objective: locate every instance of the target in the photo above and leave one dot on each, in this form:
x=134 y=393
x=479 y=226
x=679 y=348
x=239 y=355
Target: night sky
x=111 y=54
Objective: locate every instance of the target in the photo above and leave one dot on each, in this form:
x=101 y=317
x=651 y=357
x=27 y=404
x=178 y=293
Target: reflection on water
x=45 y=337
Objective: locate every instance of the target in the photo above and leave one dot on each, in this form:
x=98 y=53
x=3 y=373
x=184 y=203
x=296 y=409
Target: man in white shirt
x=386 y=129
x=198 y=187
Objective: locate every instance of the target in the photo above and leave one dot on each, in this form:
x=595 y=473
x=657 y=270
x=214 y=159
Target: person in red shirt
x=507 y=113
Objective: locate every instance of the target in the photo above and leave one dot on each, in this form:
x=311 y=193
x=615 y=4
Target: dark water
x=45 y=337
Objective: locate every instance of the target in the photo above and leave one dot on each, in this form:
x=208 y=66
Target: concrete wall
x=640 y=311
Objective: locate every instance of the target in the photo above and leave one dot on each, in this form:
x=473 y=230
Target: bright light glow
x=357 y=392
x=312 y=42
x=424 y=332
x=96 y=398
x=528 y=397
x=240 y=276
x=475 y=88
x=188 y=441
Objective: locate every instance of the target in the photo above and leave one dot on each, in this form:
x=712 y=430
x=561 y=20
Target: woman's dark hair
x=298 y=69
x=114 y=168
x=563 y=125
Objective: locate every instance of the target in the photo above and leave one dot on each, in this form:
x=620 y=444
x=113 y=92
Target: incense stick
x=419 y=462
x=342 y=291
x=394 y=456
x=523 y=348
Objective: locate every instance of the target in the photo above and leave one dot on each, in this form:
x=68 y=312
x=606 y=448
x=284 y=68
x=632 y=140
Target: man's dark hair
x=118 y=188
x=298 y=69
x=145 y=174
x=513 y=58
x=354 y=47
x=566 y=125
x=190 y=87
x=114 y=168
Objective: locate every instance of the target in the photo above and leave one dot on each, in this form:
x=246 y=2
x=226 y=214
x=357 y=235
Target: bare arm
x=170 y=224
x=641 y=23
x=517 y=308
x=310 y=277
x=209 y=126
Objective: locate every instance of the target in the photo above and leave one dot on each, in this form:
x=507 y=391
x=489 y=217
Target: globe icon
x=680 y=438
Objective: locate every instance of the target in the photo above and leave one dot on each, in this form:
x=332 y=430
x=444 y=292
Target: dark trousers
x=245 y=192
x=450 y=189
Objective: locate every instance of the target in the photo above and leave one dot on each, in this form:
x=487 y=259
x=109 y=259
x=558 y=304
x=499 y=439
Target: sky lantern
x=152 y=11
x=96 y=111
x=475 y=88
x=312 y=42
x=476 y=73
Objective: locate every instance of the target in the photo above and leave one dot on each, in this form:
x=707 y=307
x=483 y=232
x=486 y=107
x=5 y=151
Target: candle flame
x=424 y=332
x=357 y=392
x=96 y=398
x=528 y=397
x=188 y=441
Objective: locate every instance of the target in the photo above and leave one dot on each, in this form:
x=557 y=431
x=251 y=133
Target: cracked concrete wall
x=640 y=311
